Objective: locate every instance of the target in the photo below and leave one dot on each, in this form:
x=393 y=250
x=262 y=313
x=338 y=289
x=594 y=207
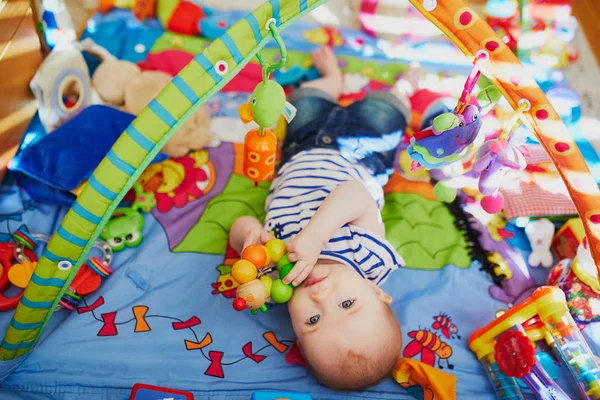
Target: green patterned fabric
x=205 y=75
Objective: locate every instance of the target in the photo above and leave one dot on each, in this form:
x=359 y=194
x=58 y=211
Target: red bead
x=239 y=304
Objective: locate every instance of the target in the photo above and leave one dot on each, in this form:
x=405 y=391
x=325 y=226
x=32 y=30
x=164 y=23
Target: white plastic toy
x=540 y=233
x=61 y=86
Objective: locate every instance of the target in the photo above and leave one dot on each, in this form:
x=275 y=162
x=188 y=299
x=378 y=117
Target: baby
x=325 y=204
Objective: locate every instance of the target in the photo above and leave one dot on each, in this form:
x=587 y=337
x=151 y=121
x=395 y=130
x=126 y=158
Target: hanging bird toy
x=267 y=103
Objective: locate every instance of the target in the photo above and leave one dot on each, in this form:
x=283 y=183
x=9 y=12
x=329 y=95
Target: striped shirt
x=300 y=187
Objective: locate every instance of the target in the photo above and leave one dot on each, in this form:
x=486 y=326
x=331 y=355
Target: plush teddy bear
x=124 y=85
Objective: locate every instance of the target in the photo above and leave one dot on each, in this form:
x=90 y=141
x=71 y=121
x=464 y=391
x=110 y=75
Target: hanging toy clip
x=266 y=104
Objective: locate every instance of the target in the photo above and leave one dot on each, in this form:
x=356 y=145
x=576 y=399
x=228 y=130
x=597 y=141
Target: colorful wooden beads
x=254 y=291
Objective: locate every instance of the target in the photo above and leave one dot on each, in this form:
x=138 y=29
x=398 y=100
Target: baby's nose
x=321 y=294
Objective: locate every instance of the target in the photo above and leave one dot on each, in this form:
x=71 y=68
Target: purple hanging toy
x=453 y=132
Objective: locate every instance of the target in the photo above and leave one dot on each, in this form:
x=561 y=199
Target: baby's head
x=346 y=331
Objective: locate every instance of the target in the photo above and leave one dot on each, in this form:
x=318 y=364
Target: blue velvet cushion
x=52 y=167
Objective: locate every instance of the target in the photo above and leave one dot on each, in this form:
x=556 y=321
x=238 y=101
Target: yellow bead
x=276 y=248
x=243 y=271
x=267 y=283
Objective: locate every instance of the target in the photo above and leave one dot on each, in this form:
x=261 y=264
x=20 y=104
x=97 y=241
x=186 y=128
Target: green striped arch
x=205 y=75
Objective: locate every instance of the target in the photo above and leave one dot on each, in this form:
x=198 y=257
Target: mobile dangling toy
x=494 y=160
x=251 y=273
x=451 y=137
x=451 y=134
x=267 y=103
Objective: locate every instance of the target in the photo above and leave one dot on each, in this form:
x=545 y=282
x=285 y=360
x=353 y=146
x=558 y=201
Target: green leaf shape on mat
x=211 y=233
x=423 y=232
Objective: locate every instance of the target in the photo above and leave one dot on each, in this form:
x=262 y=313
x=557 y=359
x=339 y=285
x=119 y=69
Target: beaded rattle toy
x=18 y=262
x=255 y=290
x=267 y=103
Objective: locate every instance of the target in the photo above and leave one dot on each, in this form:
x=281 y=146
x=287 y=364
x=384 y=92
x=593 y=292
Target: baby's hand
x=257 y=236
x=304 y=250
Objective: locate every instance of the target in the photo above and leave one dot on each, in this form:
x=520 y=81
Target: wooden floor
x=20 y=57
x=587 y=13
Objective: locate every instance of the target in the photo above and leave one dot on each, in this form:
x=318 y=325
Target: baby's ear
x=383 y=296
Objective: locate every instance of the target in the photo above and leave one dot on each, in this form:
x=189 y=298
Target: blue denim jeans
x=367 y=131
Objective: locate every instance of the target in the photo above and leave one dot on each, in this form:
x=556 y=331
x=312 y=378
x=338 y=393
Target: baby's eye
x=347 y=303
x=314 y=319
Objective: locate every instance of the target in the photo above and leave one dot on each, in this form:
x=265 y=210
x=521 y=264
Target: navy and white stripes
x=302 y=185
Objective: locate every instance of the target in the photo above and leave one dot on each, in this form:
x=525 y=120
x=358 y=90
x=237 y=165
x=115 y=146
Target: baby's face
x=336 y=310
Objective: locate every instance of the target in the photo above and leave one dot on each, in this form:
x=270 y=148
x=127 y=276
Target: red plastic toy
x=142 y=391
x=7 y=261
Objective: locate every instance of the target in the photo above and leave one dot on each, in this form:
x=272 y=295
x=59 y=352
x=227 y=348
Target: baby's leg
x=377 y=124
x=408 y=84
x=331 y=75
x=314 y=101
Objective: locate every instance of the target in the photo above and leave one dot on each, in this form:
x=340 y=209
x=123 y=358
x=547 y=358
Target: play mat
x=164 y=314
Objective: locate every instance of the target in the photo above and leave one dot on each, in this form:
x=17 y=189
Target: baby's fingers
x=265 y=237
x=295 y=272
x=248 y=242
x=302 y=276
x=293 y=257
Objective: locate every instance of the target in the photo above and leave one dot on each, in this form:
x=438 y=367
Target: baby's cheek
x=294 y=308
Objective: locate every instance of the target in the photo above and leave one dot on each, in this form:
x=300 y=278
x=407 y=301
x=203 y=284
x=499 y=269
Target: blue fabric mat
x=85 y=356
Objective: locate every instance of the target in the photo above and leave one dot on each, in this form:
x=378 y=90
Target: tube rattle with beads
x=255 y=286
x=506 y=348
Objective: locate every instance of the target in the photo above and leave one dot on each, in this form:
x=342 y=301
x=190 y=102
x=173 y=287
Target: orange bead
x=260 y=152
x=257 y=255
x=243 y=271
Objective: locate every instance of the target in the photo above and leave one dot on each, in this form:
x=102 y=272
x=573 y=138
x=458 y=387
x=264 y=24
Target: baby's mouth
x=313 y=280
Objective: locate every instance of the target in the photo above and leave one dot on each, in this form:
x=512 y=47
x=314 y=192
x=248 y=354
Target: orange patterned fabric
x=472 y=34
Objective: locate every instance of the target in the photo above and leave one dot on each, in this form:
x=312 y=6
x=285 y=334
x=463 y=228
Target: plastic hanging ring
x=525 y=101
x=482 y=55
x=65 y=265
x=269 y=22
